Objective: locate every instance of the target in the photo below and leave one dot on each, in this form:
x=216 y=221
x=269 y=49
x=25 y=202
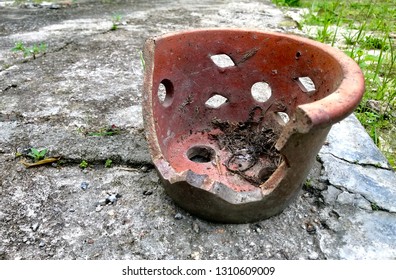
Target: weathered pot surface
x=234 y=118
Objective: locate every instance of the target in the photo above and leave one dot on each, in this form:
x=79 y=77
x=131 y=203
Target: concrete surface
x=90 y=79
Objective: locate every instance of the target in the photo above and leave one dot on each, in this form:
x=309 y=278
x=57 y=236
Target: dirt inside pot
x=248 y=144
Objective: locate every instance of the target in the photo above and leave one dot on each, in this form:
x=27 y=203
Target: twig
x=40 y=162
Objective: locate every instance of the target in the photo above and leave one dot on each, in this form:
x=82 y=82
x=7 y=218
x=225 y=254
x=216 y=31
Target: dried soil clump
x=249 y=144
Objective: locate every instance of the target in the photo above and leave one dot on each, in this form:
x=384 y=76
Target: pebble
x=35 y=226
x=102 y=202
x=195 y=227
x=195 y=255
x=147 y=192
x=55 y=7
x=257 y=228
x=313 y=256
x=178 y=216
x=42 y=244
x=111 y=212
x=84 y=186
x=112 y=198
x=19 y=169
x=98 y=208
x=144 y=168
x=310 y=228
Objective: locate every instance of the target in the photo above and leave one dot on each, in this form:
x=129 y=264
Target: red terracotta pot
x=233 y=140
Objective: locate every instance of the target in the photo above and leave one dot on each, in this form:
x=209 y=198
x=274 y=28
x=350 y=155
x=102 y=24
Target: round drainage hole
x=200 y=154
x=165 y=92
x=261 y=91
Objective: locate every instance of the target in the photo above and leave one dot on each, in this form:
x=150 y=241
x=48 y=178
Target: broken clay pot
x=234 y=118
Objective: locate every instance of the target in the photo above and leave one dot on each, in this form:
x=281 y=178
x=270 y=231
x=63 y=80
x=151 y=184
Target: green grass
x=108 y=163
x=33 y=50
x=36 y=154
x=83 y=164
x=116 y=20
x=374 y=206
x=368 y=35
x=287 y=3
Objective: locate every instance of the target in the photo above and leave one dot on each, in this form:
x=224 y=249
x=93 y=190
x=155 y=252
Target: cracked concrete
x=361 y=193
x=90 y=79
x=347 y=167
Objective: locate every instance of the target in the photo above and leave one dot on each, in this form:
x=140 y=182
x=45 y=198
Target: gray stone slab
x=358 y=200
x=360 y=181
x=364 y=236
x=352 y=162
x=375 y=184
x=349 y=141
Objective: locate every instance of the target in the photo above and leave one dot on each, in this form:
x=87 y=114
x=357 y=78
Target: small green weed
x=324 y=34
x=27 y=51
x=108 y=163
x=308 y=183
x=288 y=3
x=83 y=164
x=371 y=42
x=116 y=20
x=36 y=154
x=374 y=206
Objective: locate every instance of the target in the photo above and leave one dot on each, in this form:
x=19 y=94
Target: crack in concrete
x=61 y=48
x=9 y=87
x=101 y=163
x=373 y=204
x=343 y=189
x=358 y=163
